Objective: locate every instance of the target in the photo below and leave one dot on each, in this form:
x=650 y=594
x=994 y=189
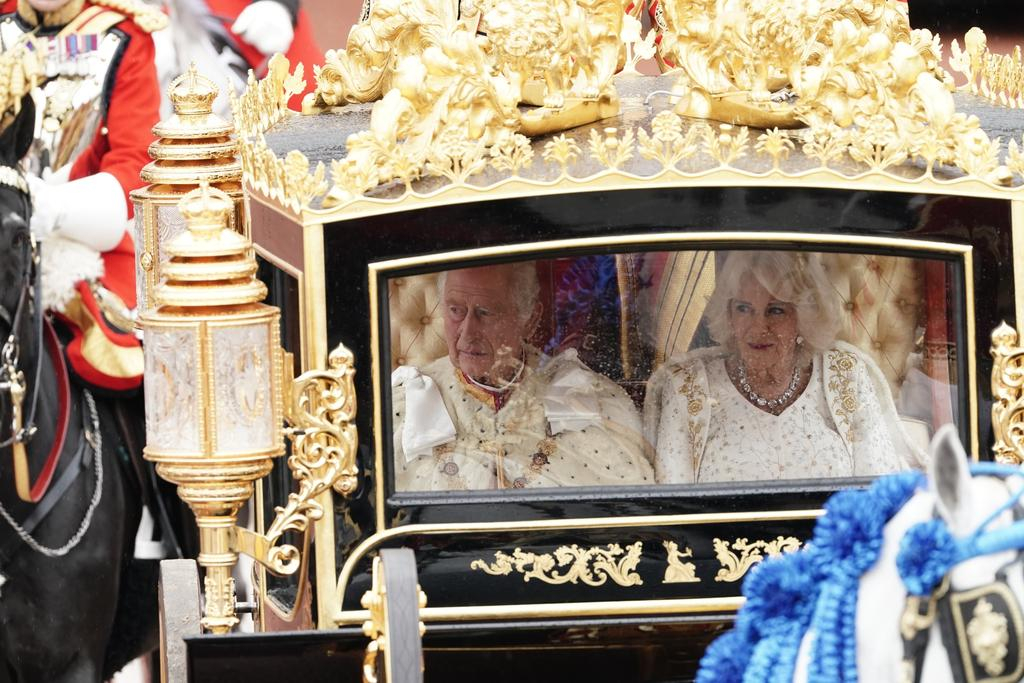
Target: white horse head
x=943 y=538
x=964 y=503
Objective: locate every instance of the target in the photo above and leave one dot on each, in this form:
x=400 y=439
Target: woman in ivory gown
x=779 y=397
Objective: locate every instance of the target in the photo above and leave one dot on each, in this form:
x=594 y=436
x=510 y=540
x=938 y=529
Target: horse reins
x=12 y=378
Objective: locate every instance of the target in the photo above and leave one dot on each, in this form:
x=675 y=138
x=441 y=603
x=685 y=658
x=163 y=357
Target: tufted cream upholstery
x=417 y=327
x=882 y=300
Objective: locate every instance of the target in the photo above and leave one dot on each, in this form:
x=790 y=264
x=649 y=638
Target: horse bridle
x=946 y=606
x=12 y=378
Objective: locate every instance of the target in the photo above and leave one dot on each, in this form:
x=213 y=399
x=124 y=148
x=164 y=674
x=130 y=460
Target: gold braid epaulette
x=21 y=67
x=148 y=18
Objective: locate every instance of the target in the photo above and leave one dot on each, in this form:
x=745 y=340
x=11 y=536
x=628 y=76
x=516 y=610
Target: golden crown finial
x=210 y=264
x=206 y=211
x=192 y=93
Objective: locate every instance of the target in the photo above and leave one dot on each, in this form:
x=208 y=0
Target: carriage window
x=671 y=367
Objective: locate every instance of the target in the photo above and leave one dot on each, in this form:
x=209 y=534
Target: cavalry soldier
x=96 y=107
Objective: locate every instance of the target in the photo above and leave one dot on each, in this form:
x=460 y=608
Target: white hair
x=793 y=277
x=524 y=283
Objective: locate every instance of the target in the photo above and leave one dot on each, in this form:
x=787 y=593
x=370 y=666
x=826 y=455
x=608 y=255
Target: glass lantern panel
x=172 y=424
x=169 y=224
x=242 y=377
x=140 y=245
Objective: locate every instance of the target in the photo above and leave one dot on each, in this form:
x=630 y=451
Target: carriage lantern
x=193 y=145
x=213 y=384
x=218 y=392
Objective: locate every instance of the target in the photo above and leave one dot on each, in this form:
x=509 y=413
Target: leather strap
x=63 y=412
x=80 y=461
x=37 y=490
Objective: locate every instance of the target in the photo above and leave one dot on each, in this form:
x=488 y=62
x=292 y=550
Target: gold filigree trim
x=324 y=446
x=677 y=570
x=591 y=566
x=743 y=555
x=1007 y=396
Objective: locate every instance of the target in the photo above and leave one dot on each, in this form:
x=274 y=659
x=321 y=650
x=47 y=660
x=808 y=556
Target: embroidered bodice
x=843 y=424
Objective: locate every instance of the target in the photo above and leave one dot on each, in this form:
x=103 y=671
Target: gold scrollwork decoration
x=678 y=571
x=735 y=566
x=1007 y=395
x=324 y=444
x=591 y=566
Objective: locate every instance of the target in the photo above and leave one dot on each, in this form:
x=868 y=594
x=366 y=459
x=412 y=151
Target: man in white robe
x=497 y=413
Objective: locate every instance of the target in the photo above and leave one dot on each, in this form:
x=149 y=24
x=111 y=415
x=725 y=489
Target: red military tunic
x=102 y=350
x=304 y=48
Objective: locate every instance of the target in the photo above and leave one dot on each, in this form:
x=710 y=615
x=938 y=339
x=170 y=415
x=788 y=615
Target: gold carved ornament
x=867 y=92
x=1007 y=396
x=324 y=446
x=999 y=78
x=592 y=566
x=447 y=94
x=743 y=555
x=677 y=570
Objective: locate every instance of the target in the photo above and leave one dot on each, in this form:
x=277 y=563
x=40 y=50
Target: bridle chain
x=97 y=444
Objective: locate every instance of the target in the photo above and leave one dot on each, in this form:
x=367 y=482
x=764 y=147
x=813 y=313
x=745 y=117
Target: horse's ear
x=950 y=475
x=18 y=136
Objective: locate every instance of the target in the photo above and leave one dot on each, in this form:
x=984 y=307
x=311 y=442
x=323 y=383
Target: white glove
x=266 y=25
x=90 y=210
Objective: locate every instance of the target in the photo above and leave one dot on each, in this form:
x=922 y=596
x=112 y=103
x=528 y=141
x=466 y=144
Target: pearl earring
x=799 y=340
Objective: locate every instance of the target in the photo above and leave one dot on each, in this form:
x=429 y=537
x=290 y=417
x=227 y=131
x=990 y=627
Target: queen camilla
x=778 y=397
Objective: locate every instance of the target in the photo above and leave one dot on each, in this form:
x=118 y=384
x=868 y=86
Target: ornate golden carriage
x=446 y=138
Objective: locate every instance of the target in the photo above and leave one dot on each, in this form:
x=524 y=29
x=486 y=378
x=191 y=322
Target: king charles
x=497 y=413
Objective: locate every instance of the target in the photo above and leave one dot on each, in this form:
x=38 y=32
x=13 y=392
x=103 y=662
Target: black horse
x=74 y=606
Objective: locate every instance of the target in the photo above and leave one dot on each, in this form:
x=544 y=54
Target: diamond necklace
x=761 y=401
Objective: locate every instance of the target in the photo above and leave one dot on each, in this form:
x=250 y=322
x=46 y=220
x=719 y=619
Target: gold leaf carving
x=826 y=143
x=878 y=145
x=591 y=566
x=677 y=570
x=611 y=150
x=1007 y=395
x=1000 y=78
x=455 y=156
x=265 y=101
x=743 y=555
x=776 y=144
x=667 y=144
x=1015 y=157
x=324 y=446
x=562 y=151
x=728 y=144
x=514 y=154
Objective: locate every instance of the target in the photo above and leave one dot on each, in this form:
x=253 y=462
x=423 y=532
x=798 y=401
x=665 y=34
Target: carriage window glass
x=671 y=367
